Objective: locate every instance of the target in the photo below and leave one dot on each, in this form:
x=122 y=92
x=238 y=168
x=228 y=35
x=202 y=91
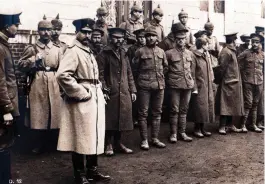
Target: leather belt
x=92 y=81
x=47 y=69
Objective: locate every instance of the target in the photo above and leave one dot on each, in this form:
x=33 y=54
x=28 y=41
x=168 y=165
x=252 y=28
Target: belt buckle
x=47 y=68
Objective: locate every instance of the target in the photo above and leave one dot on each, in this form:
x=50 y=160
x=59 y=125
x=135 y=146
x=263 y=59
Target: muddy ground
x=234 y=158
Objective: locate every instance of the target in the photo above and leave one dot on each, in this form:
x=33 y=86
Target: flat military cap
x=151 y=30
x=200 y=33
x=98 y=31
x=259 y=30
x=244 y=37
x=158 y=11
x=56 y=23
x=136 y=7
x=208 y=25
x=257 y=37
x=231 y=35
x=116 y=31
x=9 y=16
x=45 y=23
x=102 y=10
x=178 y=27
x=84 y=24
x=139 y=32
x=183 y=14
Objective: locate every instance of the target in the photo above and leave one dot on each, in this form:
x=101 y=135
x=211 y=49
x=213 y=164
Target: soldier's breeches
x=252 y=94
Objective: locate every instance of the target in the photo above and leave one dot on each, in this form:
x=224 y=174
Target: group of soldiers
x=112 y=77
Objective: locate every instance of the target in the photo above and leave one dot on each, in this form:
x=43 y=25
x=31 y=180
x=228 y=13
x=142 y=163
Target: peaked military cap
x=98 y=31
x=244 y=37
x=231 y=35
x=259 y=29
x=151 y=30
x=45 y=23
x=257 y=37
x=158 y=11
x=183 y=13
x=208 y=25
x=178 y=27
x=9 y=16
x=56 y=23
x=200 y=33
x=136 y=7
x=116 y=31
x=102 y=10
x=139 y=32
x=84 y=24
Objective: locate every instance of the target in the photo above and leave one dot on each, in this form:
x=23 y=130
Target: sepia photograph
x=132 y=91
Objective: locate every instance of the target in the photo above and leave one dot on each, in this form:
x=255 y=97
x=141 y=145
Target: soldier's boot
x=204 y=132
x=155 y=131
x=253 y=125
x=260 y=123
x=244 y=121
x=143 y=133
x=92 y=173
x=173 y=129
x=79 y=169
x=197 y=131
x=182 y=128
x=222 y=124
x=119 y=146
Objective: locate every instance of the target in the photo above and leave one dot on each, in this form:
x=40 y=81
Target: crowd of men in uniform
x=94 y=89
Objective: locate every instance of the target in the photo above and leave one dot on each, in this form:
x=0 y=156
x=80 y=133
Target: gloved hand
x=8 y=119
x=134 y=97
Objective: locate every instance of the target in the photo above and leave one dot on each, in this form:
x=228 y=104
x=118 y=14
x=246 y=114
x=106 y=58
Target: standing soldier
x=183 y=18
x=242 y=47
x=157 y=18
x=141 y=41
x=134 y=22
x=8 y=91
x=102 y=14
x=152 y=64
x=251 y=64
x=96 y=44
x=41 y=60
x=82 y=123
x=56 y=31
x=169 y=41
x=180 y=80
x=229 y=97
x=118 y=85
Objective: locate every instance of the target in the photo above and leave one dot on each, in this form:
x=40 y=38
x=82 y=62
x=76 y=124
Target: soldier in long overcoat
x=82 y=117
x=202 y=105
x=41 y=61
x=229 y=98
x=8 y=91
x=117 y=81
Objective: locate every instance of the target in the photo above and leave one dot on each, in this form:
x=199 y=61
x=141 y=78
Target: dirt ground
x=234 y=158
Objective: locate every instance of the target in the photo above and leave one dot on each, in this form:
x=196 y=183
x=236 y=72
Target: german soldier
x=9 y=111
x=96 y=44
x=102 y=14
x=251 y=63
x=229 y=97
x=118 y=85
x=57 y=26
x=151 y=63
x=169 y=41
x=41 y=61
x=157 y=18
x=180 y=80
x=183 y=18
x=242 y=47
x=82 y=121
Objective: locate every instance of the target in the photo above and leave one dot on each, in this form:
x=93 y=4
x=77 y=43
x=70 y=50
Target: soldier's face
x=45 y=33
x=137 y=14
x=102 y=18
x=117 y=41
x=12 y=30
x=96 y=39
x=255 y=44
x=158 y=18
x=183 y=20
x=56 y=32
x=209 y=31
x=151 y=39
x=84 y=36
x=180 y=42
x=141 y=40
x=247 y=42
